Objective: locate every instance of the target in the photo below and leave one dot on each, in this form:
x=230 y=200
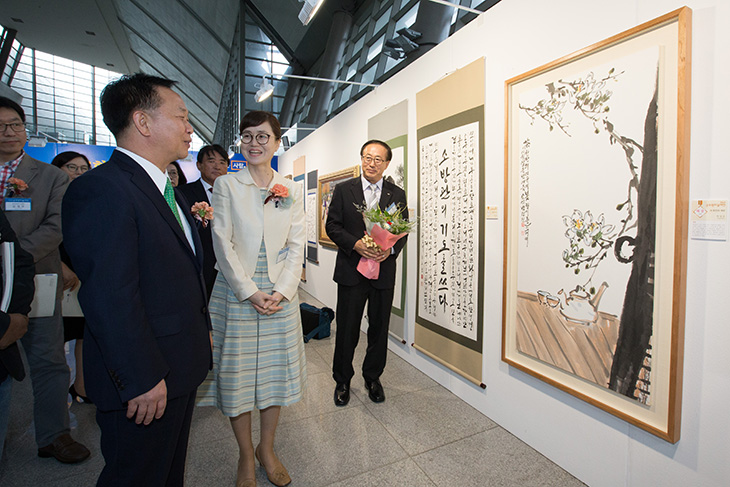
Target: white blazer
x=240 y=222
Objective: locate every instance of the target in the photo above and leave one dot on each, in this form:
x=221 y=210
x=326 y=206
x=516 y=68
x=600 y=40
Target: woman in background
x=74 y=164
x=176 y=175
x=258 y=350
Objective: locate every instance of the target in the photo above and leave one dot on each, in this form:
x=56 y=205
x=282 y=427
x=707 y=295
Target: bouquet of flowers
x=202 y=212
x=384 y=229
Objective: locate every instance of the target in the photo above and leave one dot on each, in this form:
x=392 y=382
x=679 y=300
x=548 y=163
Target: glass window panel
x=390 y=63
x=358 y=45
x=382 y=21
x=345 y=97
x=45 y=106
x=64 y=116
x=369 y=75
x=351 y=70
x=408 y=18
x=375 y=49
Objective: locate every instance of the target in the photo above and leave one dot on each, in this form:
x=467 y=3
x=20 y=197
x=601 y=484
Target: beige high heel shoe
x=245 y=482
x=279 y=476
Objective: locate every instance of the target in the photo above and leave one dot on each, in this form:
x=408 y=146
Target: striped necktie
x=373 y=196
x=170 y=198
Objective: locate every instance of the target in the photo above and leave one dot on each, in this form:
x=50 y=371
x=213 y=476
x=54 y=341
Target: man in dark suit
x=212 y=162
x=35 y=215
x=346 y=228
x=135 y=249
x=14 y=323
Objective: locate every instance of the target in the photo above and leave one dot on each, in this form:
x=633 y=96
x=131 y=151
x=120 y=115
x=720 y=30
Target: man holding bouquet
x=346 y=228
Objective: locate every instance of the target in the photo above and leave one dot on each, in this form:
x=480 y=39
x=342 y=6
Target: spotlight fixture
x=37 y=141
x=309 y=9
x=235 y=145
x=266 y=89
x=400 y=46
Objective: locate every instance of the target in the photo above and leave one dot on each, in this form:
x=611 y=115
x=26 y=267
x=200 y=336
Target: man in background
x=134 y=247
x=14 y=323
x=212 y=162
x=346 y=228
x=34 y=212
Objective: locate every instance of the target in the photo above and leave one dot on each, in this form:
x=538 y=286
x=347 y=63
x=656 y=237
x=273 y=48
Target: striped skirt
x=258 y=361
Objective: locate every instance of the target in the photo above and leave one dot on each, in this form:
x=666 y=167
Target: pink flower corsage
x=279 y=194
x=202 y=212
x=15 y=187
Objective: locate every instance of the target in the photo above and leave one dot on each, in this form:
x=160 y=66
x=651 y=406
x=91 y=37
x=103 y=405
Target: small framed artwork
x=596 y=149
x=325 y=191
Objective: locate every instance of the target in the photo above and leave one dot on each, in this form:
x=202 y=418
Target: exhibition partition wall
x=599 y=445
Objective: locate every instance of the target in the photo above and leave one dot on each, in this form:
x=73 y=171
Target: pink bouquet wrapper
x=368 y=267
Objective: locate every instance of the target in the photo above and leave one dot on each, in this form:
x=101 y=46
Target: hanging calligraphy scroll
x=391 y=126
x=312 y=217
x=298 y=176
x=596 y=207
x=450 y=119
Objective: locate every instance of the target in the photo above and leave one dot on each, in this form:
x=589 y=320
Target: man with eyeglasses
x=35 y=215
x=346 y=228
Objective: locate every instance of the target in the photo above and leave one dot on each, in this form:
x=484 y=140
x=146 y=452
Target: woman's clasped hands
x=266 y=304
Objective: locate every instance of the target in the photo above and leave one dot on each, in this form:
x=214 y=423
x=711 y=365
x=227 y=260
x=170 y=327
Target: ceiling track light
x=266 y=89
x=328 y=80
x=309 y=9
x=460 y=7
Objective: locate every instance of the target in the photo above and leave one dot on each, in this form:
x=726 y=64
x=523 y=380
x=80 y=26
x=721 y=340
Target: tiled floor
x=422 y=435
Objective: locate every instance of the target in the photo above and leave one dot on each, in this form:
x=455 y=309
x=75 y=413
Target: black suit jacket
x=23 y=289
x=345 y=226
x=142 y=289
x=194 y=193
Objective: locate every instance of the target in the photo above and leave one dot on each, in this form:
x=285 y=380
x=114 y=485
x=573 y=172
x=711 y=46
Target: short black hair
x=64 y=157
x=8 y=103
x=208 y=149
x=256 y=118
x=378 y=142
x=120 y=98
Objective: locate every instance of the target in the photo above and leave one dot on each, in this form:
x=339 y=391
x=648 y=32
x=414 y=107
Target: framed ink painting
x=596 y=150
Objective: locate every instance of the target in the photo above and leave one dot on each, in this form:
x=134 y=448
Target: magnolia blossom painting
x=588 y=176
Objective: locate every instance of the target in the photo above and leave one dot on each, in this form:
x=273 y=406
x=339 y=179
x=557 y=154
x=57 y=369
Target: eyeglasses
x=262 y=139
x=74 y=168
x=15 y=126
x=368 y=159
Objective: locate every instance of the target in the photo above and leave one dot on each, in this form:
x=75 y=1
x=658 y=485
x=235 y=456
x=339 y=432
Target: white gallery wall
x=516 y=36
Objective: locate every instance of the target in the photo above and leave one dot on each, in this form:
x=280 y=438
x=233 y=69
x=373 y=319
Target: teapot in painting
x=577 y=306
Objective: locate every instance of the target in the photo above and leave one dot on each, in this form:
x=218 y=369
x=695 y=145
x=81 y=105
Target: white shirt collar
x=206 y=186
x=366 y=183
x=158 y=177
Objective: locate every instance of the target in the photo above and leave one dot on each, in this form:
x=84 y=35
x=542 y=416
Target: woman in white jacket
x=258 y=351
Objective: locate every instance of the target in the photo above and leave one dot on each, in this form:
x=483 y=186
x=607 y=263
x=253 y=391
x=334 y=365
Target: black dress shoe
x=342 y=394
x=65 y=449
x=375 y=391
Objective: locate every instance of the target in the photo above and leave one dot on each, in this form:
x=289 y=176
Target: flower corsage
x=15 y=187
x=202 y=212
x=279 y=194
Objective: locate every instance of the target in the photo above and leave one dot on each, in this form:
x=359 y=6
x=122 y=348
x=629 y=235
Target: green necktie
x=170 y=198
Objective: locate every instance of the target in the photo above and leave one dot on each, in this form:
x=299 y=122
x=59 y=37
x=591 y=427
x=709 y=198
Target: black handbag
x=315 y=321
